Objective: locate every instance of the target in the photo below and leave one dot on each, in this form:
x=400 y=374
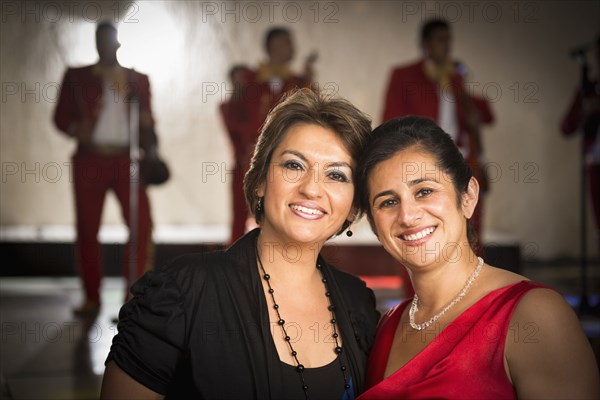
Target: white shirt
x=447 y=118
x=112 y=125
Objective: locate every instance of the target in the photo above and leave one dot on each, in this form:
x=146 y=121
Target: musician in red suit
x=433 y=87
x=584 y=115
x=256 y=93
x=93 y=109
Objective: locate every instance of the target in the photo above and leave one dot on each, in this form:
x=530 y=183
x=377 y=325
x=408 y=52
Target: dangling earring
x=259 y=206
x=349 y=232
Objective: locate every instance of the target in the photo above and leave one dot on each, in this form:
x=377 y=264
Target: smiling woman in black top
x=268 y=318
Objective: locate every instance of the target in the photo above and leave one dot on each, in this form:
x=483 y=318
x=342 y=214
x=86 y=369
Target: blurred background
x=517 y=57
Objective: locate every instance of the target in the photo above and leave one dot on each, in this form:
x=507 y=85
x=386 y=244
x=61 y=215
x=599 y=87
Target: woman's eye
x=424 y=192
x=338 y=176
x=388 y=203
x=294 y=165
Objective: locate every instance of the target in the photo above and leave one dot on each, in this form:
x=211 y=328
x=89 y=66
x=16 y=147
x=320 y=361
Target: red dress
x=464 y=361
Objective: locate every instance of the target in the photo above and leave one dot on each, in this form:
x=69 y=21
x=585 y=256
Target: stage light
x=151 y=41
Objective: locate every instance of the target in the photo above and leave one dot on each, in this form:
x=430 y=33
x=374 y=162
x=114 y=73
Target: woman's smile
x=417 y=236
x=307 y=210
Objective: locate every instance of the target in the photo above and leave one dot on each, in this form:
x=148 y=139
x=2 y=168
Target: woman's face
x=415 y=211
x=308 y=192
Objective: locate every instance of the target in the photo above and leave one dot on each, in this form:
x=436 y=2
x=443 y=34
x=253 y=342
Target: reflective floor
x=47 y=353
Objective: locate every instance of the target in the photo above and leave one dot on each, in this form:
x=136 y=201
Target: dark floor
x=46 y=353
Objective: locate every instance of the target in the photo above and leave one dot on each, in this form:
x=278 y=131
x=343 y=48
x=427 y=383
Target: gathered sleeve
x=151 y=342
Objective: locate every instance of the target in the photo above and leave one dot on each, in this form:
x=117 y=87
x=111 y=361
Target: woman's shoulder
x=188 y=269
x=544 y=305
x=187 y=273
x=188 y=265
x=547 y=352
x=534 y=302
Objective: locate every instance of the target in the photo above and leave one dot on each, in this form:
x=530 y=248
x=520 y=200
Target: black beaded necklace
x=338 y=349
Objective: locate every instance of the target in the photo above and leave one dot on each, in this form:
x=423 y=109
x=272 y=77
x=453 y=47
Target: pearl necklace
x=337 y=349
x=414 y=306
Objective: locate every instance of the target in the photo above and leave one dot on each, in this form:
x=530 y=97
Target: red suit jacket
x=81 y=97
x=411 y=92
x=237 y=123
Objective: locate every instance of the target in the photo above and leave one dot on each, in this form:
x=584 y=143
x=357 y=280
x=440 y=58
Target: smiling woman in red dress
x=471 y=330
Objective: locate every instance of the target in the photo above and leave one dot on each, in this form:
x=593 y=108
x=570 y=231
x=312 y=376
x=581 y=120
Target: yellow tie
x=441 y=74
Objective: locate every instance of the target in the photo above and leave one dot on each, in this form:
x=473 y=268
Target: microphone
x=461 y=68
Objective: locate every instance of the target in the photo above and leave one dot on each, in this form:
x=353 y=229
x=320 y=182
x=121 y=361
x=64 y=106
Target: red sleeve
x=233 y=115
x=229 y=121
x=484 y=110
x=571 y=121
x=394 y=106
x=66 y=111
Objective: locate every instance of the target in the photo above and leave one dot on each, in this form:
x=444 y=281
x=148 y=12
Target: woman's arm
x=116 y=384
x=146 y=352
x=548 y=356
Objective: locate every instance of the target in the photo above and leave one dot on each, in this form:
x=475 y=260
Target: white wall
x=186 y=48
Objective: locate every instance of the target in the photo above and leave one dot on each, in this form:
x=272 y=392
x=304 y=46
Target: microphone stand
x=584 y=304
x=134 y=183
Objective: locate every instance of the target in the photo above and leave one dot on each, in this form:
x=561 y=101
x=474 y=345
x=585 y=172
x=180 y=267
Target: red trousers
x=93 y=176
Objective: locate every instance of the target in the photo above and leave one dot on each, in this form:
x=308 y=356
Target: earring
x=259 y=206
x=349 y=232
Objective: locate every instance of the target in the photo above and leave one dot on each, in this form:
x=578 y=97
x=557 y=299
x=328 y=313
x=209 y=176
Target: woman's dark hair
x=422 y=133
x=304 y=106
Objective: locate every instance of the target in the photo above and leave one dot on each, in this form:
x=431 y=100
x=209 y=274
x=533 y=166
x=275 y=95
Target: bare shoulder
x=547 y=310
x=547 y=353
x=546 y=306
x=497 y=278
x=535 y=300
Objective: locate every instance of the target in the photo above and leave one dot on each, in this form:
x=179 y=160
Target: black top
x=325 y=383
x=199 y=327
